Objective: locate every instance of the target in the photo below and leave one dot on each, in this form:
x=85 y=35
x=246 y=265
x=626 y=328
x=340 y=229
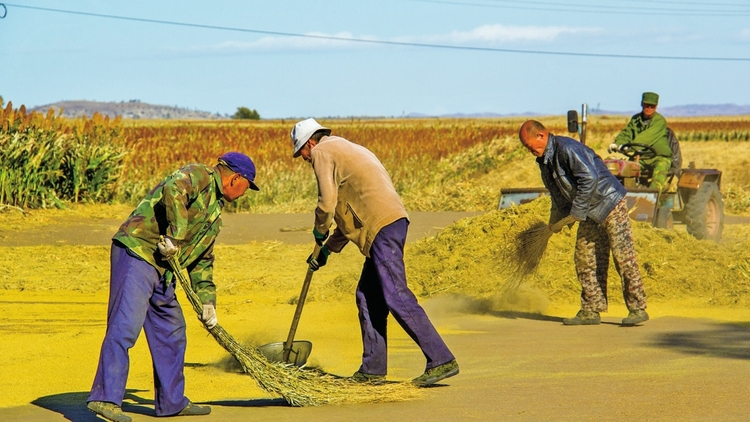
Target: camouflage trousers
x=594 y=242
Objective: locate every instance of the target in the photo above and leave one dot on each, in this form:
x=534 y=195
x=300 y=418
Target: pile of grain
x=476 y=256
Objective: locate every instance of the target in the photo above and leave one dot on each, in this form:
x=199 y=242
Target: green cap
x=650 y=98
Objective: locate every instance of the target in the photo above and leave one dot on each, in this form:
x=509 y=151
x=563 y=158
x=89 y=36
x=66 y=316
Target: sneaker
x=583 y=318
x=440 y=372
x=108 y=411
x=193 y=409
x=635 y=317
x=363 y=377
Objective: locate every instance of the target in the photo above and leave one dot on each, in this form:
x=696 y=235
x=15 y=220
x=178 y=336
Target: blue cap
x=241 y=164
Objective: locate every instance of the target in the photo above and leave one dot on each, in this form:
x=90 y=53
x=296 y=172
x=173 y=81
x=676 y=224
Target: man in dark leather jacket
x=582 y=187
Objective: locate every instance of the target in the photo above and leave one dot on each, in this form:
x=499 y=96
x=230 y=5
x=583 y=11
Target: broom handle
x=300 y=304
x=562 y=223
x=192 y=297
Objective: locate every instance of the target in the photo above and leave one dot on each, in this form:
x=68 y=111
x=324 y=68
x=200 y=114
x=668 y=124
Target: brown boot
x=108 y=411
x=433 y=375
x=635 y=317
x=193 y=409
x=583 y=318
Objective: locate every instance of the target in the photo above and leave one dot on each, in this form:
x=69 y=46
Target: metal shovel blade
x=300 y=350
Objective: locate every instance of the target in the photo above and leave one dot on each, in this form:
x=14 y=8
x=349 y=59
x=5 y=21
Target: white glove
x=613 y=148
x=209 y=316
x=167 y=249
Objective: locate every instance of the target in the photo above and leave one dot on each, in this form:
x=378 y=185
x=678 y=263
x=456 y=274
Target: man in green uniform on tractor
x=648 y=128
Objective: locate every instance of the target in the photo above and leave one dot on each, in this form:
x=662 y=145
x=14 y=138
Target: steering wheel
x=631 y=150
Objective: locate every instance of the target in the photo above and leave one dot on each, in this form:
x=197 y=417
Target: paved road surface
x=526 y=368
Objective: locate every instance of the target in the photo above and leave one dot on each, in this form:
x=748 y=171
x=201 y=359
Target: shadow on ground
x=72 y=406
x=726 y=341
x=525 y=315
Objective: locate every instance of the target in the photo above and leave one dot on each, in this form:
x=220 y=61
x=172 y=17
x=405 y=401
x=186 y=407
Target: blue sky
x=488 y=55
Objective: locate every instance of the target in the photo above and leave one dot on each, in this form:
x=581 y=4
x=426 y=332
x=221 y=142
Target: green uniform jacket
x=186 y=207
x=652 y=132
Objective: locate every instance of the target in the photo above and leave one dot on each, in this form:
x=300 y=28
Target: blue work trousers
x=138 y=297
x=382 y=290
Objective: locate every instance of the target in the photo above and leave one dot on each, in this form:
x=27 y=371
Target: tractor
x=693 y=195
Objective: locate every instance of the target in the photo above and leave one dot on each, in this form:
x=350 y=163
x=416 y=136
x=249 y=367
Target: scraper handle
x=300 y=304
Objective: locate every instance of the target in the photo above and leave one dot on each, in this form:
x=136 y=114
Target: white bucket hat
x=302 y=132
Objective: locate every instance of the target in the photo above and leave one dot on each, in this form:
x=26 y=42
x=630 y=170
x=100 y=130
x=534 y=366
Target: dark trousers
x=382 y=290
x=138 y=297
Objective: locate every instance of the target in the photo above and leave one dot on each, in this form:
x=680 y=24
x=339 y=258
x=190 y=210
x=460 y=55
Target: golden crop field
x=436 y=164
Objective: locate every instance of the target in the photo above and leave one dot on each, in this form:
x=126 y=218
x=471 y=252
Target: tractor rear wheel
x=704 y=212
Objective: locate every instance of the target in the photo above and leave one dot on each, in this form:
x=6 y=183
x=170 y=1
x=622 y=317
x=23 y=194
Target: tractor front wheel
x=664 y=219
x=704 y=212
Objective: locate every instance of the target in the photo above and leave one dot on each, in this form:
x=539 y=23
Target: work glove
x=319 y=237
x=167 y=249
x=321 y=261
x=613 y=148
x=208 y=317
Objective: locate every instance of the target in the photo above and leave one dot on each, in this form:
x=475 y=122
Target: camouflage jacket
x=186 y=207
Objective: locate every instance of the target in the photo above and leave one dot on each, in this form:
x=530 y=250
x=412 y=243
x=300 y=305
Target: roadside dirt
x=237 y=229
x=686 y=363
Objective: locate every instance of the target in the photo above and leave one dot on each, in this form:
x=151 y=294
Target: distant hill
x=706 y=110
x=133 y=109
x=676 y=111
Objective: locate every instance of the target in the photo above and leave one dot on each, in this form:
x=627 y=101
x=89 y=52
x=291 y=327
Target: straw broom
x=297 y=386
x=531 y=244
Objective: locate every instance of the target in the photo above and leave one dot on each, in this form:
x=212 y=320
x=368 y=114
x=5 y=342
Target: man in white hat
x=356 y=192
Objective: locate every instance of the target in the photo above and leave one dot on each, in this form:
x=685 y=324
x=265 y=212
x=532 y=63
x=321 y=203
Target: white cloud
x=505 y=34
x=311 y=41
x=483 y=35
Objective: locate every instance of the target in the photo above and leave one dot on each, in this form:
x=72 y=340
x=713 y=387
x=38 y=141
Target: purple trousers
x=382 y=290
x=138 y=297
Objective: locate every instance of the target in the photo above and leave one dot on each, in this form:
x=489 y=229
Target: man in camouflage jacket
x=185 y=208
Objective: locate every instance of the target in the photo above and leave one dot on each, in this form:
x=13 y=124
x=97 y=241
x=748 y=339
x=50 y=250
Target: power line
x=599 y=9
x=682 y=3
x=384 y=42
x=649 y=2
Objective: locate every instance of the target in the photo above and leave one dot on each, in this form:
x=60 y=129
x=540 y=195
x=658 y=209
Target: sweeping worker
x=185 y=208
x=582 y=187
x=649 y=128
x=356 y=192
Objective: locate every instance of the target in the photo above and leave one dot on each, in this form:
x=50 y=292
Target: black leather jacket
x=578 y=181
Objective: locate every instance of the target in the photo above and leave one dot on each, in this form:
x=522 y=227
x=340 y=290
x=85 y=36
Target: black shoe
x=635 y=317
x=583 y=318
x=109 y=411
x=440 y=372
x=193 y=409
x=371 y=378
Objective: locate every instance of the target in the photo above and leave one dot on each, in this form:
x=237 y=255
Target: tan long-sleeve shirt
x=354 y=191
